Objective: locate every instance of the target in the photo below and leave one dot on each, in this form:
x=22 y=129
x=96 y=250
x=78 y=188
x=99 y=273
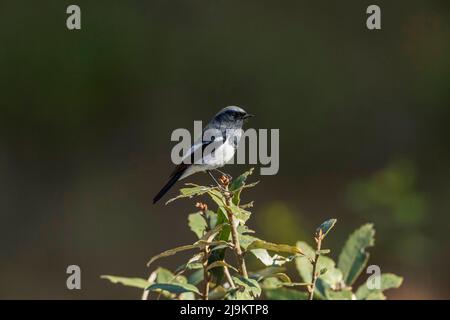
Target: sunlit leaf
x=353 y=257
x=198 y=245
x=197 y=224
x=171 y=252
x=192 y=264
x=387 y=281
x=266 y=272
x=248 y=287
x=260 y=244
x=345 y=294
x=268 y=260
x=191 y=191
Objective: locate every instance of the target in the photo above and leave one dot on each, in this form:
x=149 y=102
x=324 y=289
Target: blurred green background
x=86 y=118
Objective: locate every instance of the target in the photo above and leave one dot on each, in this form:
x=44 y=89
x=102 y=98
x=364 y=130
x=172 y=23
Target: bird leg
x=224 y=174
x=212 y=176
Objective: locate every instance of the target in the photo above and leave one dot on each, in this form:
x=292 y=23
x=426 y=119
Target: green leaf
x=378 y=295
x=268 y=260
x=329 y=277
x=196 y=277
x=217 y=197
x=245 y=240
x=163 y=275
x=198 y=245
x=129 y=282
x=174 y=287
x=285 y=294
x=260 y=244
x=239 y=182
x=248 y=288
x=387 y=281
x=193 y=263
x=326 y=227
x=241 y=214
x=197 y=224
x=353 y=257
x=280 y=280
x=222 y=264
x=266 y=272
x=189 y=192
x=345 y=294
x=171 y=252
x=308 y=252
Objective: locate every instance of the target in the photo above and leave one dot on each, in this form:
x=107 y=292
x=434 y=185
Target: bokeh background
x=86 y=118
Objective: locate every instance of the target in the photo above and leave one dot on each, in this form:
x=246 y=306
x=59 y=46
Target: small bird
x=217 y=149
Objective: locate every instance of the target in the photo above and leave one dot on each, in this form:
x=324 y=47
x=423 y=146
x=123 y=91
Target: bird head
x=232 y=114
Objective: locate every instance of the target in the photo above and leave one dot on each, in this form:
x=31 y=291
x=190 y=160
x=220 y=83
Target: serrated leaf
x=353 y=257
x=387 y=281
x=129 y=282
x=326 y=226
x=197 y=224
x=261 y=244
x=174 y=287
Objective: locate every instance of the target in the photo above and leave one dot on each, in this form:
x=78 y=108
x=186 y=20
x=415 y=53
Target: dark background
x=86 y=118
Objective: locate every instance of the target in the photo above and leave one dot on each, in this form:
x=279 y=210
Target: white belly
x=223 y=154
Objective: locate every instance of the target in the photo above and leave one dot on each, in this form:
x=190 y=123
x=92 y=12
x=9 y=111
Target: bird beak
x=248 y=115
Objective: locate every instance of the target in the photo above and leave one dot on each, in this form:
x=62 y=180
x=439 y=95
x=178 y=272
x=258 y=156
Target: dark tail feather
x=168 y=185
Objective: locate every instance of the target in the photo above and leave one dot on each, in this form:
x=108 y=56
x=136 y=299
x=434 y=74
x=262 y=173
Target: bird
x=219 y=141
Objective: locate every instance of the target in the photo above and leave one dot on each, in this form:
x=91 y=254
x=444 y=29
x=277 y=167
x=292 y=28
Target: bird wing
x=191 y=154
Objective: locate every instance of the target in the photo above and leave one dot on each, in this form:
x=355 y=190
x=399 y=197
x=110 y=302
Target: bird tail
x=173 y=179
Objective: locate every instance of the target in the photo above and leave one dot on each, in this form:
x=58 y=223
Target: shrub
x=210 y=274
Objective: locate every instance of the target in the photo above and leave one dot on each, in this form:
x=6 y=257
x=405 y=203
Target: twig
x=224 y=181
x=150 y=280
x=228 y=276
x=315 y=273
x=206 y=252
x=205 y=278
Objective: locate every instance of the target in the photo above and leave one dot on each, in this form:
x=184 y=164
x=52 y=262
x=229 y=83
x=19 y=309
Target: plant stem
x=315 y=274
x=235 y=238
x=228 y=276
x=205 y=281
x=223 y=188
